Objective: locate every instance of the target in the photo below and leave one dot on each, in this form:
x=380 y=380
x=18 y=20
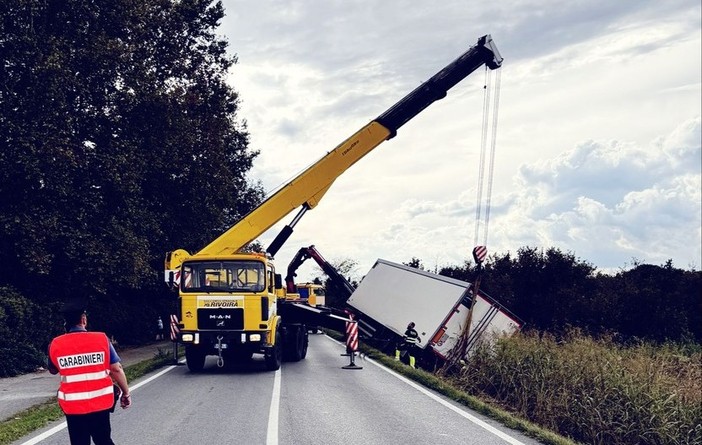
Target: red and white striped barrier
x=175 y=330
x=351 y=343
x=351 y=336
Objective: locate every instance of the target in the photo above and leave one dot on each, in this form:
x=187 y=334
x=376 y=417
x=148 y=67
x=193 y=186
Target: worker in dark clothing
x=409 y=344
x=89 y=367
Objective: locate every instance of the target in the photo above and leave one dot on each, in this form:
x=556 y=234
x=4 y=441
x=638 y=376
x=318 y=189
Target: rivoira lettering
x=73 y=361
x=220 y=303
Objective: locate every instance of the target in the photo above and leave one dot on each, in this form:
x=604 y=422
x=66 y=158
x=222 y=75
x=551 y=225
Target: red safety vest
x=83 y=361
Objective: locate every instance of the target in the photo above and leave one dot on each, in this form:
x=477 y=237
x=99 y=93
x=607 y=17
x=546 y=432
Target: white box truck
x=392 y=295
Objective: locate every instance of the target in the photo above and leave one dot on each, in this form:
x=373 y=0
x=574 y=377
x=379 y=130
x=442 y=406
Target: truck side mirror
x=278 y=281
x=171 y=278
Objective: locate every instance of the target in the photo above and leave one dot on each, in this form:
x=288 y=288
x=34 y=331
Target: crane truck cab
x=233 y=304
x=228 y=308
x=312 y=293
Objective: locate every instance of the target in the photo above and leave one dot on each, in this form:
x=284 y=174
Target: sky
x=596 y=143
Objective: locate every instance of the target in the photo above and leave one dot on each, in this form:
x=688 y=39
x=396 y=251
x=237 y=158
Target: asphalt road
x=314 y=401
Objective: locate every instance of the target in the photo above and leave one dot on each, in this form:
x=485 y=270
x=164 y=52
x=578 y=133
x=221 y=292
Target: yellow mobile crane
x=233 y=304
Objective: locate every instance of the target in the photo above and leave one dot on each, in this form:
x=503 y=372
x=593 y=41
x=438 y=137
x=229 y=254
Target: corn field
x=593 y=391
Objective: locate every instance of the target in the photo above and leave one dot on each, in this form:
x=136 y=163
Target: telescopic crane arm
x=338 y=281
x=307 y=189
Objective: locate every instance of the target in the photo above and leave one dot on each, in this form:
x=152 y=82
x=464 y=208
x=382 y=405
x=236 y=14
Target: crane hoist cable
x=459 y=350
x=488 y=126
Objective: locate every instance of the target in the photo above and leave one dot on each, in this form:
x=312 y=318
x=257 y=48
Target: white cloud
x=613 y=202
x=598 y=144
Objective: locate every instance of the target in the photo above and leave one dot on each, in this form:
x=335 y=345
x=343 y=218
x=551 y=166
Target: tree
x=336 y=293
x=466 y=272
x=658 y=302
x=119 y=140
x=22 y=322
x=416 y=263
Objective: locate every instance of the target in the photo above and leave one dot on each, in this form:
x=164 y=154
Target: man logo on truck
x=220 y=317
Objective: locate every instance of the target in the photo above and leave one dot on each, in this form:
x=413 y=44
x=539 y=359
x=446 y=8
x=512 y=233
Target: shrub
x=26 y=330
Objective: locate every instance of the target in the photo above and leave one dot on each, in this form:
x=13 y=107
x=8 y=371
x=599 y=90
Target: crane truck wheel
x=274 y=355
x=296 y=343
x=305 y=342
x=195 y=358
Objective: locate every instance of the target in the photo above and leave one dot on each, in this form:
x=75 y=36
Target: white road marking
x=272 y=434
x=472 y=418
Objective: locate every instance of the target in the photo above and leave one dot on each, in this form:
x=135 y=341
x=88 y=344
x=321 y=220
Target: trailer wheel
x=195 y=358
x=274 y=355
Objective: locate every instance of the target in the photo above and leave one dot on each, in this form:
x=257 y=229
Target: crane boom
x=308 y=188
x=233 y=304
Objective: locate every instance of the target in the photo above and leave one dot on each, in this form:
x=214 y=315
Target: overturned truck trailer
x=393 y=295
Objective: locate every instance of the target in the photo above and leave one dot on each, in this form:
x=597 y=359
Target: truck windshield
x=223 y=276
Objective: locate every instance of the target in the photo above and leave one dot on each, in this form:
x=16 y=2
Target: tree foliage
x=26 y=329
x=336 y=293
x=415 y=263
x=551 y=291
x=119 y=140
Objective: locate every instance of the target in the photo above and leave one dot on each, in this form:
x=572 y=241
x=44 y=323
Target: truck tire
x=305 y=342
x=296 y=344
x=195 y=358
x=274 y=355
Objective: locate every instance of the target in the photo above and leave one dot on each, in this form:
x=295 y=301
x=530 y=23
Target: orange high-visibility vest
x=83 y=361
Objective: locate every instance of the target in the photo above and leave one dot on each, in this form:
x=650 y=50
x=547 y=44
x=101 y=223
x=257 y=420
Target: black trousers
x=81 y=427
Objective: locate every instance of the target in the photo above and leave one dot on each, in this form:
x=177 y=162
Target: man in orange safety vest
x=89 y=367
